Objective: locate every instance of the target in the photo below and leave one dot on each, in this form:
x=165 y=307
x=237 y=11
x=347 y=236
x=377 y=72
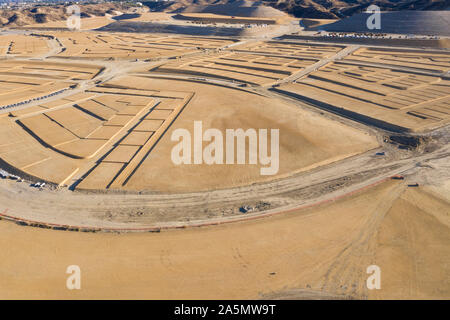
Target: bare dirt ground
x=315 y=253
x=55 y=15
x=144 y=209
x=312 y=183
x=86 y=24
x=308 y=234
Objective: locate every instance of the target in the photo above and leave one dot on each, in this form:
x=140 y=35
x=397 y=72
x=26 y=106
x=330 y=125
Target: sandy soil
x=399 y=100
x=303 y=251
x=306 y=140
x=96 y=45
x=412 y=248
x=329 y=168
x=303 y=141
x=86 y=23
x=312 y=23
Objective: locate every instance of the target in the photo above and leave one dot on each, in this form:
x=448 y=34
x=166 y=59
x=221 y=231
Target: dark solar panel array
x=401 y=22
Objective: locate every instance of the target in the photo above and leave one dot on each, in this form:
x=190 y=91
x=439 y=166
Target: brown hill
x=48 y=13
x=239 y=8
x=319 y=9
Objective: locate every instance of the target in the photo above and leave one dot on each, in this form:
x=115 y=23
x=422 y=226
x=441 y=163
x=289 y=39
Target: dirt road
x=321 y=252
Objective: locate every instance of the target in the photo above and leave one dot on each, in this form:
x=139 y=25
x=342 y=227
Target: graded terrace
x=90 y=119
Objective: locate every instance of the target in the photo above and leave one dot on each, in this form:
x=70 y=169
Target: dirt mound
x=127 y=16
x=312 y=23
x=237 y=8
x=318 y=9
x=40 y=18
x=154 y=27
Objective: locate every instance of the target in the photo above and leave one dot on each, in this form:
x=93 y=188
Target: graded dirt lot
x=86 y=24
x=115 y=129
x=431 y=60
x=260 y=63
x=301 y=149
x=243 y=67
x=290 y=49
x=362 y=176
x=401 y=100
x=24 y=80
x=294 y=255
x=23 y=46
x=93 y=45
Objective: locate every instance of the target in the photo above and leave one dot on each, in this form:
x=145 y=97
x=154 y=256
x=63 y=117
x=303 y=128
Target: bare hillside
x=319 y=9
x=46 y=13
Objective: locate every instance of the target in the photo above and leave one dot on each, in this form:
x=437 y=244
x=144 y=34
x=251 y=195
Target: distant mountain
x=238 y=8
x=319 y=9
x=329 y=9
x=42 y=13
